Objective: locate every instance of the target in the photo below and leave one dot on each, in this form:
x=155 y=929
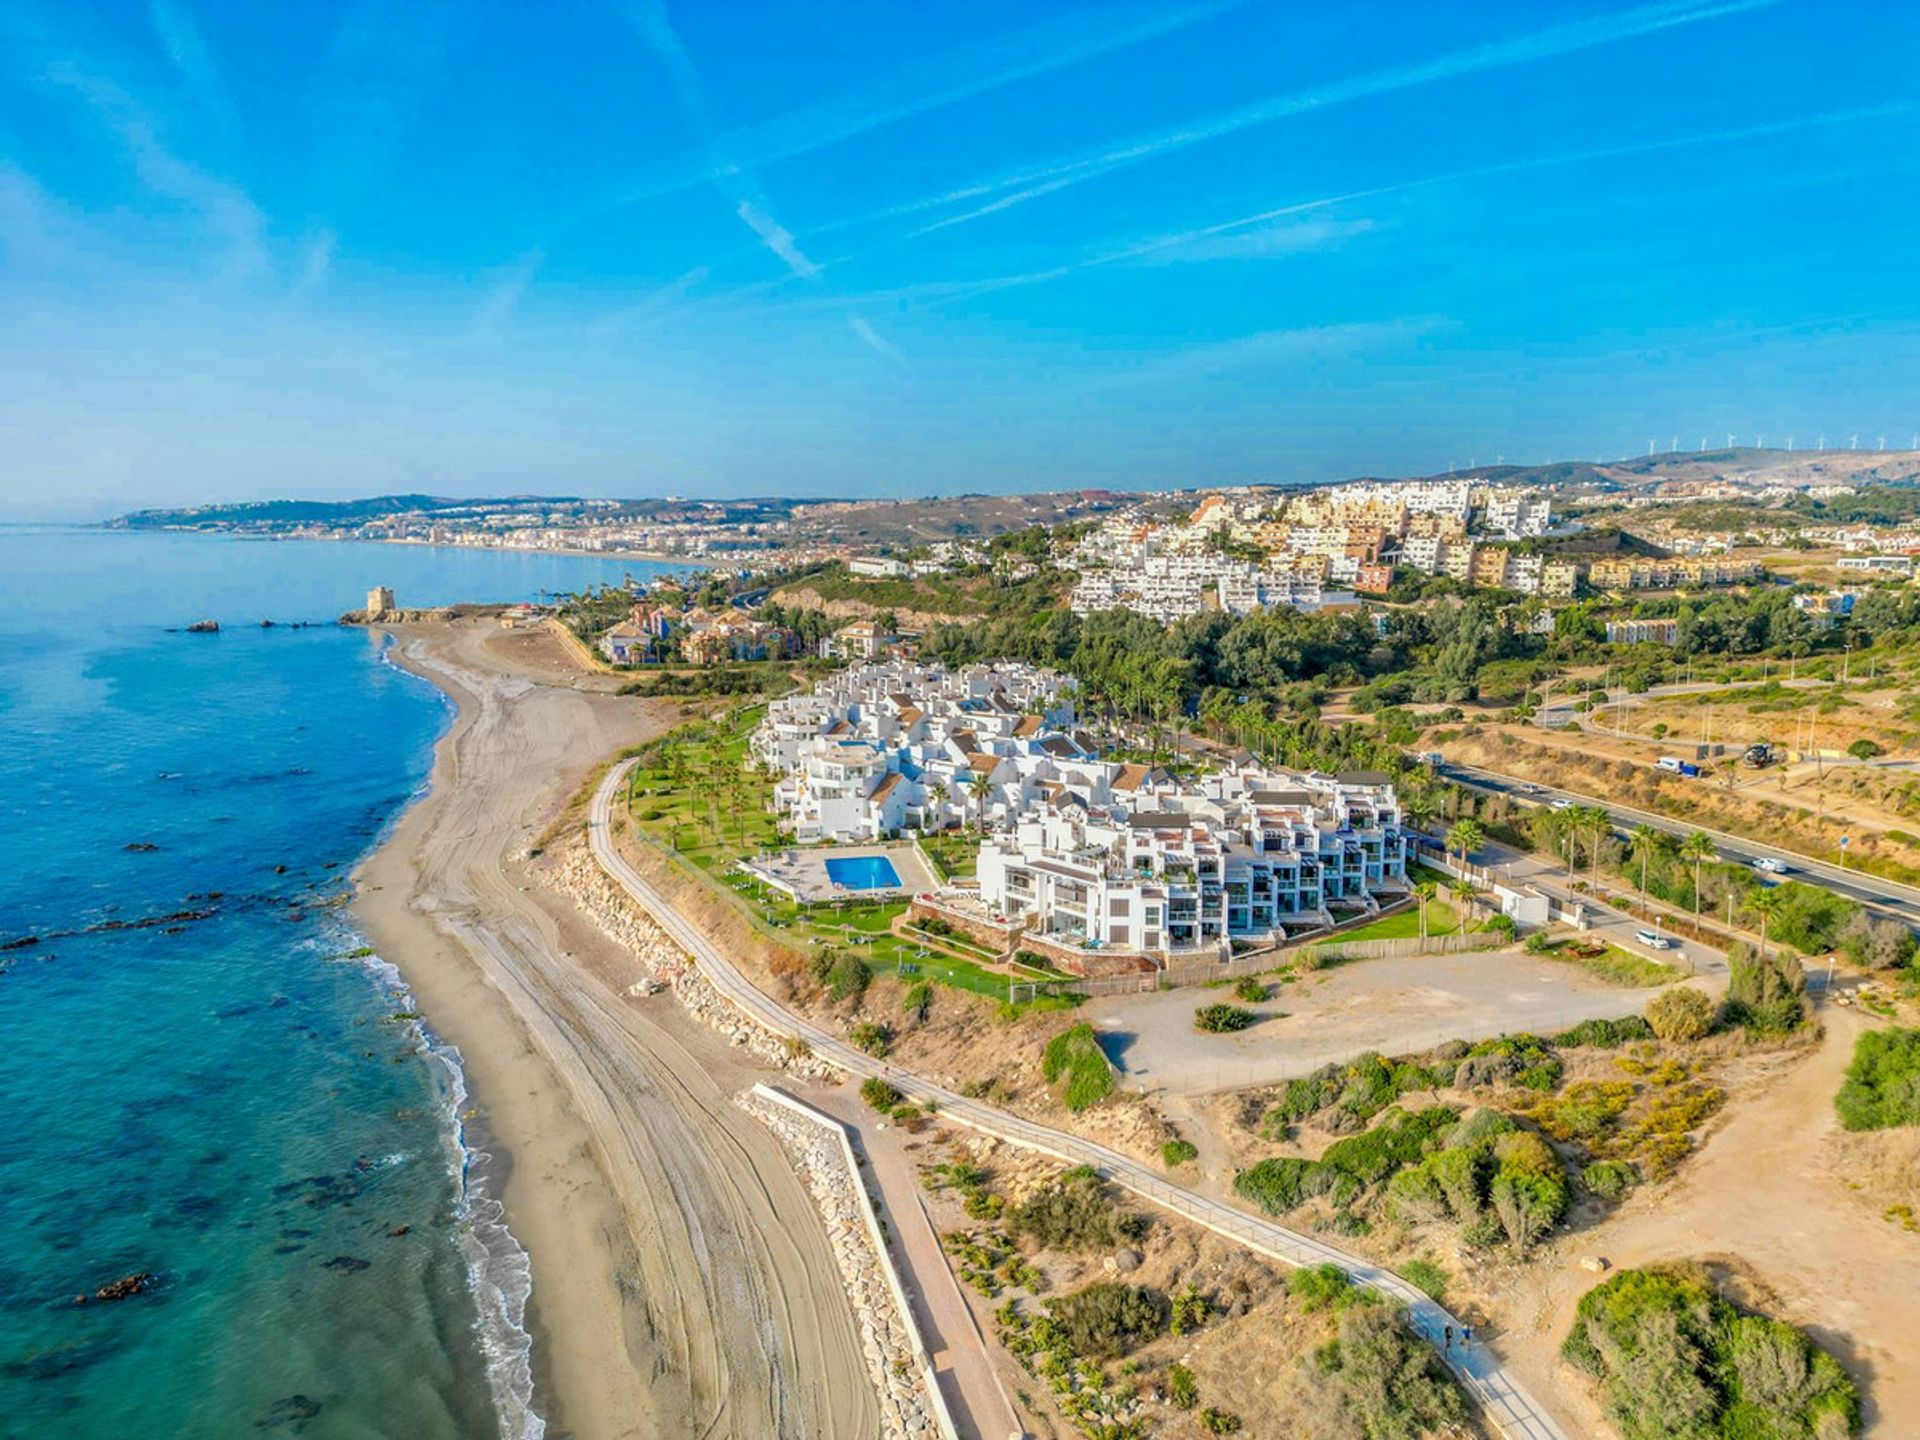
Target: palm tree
x=1465 y=894
x=937 y=792
x=1423 y=891
x=1466 y=836
x=1596 y=824
x=1766 y=904
x=1697 y=847
x=1416 y=810
x=1646 y=840
x=979 y=787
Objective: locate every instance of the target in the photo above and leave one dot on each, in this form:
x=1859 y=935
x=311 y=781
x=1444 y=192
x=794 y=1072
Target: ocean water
x=203 y=1077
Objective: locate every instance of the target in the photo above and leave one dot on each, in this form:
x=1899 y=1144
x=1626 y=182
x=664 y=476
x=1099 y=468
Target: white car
x=1653 y=939
x=1561 y=804
x=1770 y=865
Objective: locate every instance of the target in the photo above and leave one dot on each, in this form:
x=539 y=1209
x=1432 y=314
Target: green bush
x=879 y=1094
x=1610 y=1179
x=1882 y=1088
x=1425 y=1276
x=1074 y=1212
x=846 y=978
x=1276 y=1185
x=1765 y=994
x=917 y=1000
x=1682 y=1014
x=1075 y=1056
x=1349 y=1166
x=871 y=1036
x=1377 y=1380
x=1219 y=1422
x=1605 y=1034
x=1221 y=1019
x=1325 y=1287
x=1175 y=1153
x=1107 y=1319
x=1674 y=1360
x=1523 y=1060
x=1183 y=1391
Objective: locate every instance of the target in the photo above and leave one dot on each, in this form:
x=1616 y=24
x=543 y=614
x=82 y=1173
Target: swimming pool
x=863 y=872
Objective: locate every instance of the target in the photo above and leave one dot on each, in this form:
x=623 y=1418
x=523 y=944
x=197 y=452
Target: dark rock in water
x=266 y=624
x=295 y=1410
x=279 y=869
x=397 y=1231
x=291 y=1247
x=140 y=847
x=279 y=1002
x=204 y=627
x=25 y=942
x=348 y=1264
x=174 y=930
x=125 y=1288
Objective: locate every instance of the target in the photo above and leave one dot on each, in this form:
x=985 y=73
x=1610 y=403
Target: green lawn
x=1622 y=967
x=1405 y=924
x=953 y=853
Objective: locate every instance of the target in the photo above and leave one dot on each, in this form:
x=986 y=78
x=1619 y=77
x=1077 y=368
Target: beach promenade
x=1510 y=1408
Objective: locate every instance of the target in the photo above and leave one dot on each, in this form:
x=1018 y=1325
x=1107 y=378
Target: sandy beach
x=682 y=1280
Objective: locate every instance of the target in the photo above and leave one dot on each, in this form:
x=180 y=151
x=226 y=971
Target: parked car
x=1770 y=865
x=1653 y=939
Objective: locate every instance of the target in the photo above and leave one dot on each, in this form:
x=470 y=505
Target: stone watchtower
x=379 y=602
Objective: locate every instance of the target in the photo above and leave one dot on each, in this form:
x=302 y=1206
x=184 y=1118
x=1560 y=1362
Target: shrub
x=1276 y=1185
x=1191 y=1310
x=1176 y=1153
x=846 y=978
x=1250 y=988
x=1075 y=1056
x=1605 y=1034
x=1107 y=1319
x=1425 y=1276
x=1323 y=1287
x=1220 y=1019
x=1766 y=994
x=1183 y=1391
x=1682 y=1014
x=1864 y=749
x=872 y=1037
x=1882 y=1088
x=1377 y=1380
x=1876 y=944
x=1673 y=1359
x=1219 y=1422
x=1610 y=1179
x=879 y=1094
x=1074 y=1212
x=917 y=1000
x=1523 y=1060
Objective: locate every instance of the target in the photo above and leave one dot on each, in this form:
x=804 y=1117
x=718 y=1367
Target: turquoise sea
x=204 y=1080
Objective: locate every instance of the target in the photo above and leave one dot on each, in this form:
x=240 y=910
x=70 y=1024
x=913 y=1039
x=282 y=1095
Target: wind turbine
x=1823 y=442
x=1703 y=444
x=1789 y=444
x=1729 y=439
x=1883 y=443
x=1759 y=442
x=1853 y=441
x=1650 y=445
x=1673 y=445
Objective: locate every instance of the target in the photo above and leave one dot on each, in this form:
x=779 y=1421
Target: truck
x=1674 y=765
x=1758 y=755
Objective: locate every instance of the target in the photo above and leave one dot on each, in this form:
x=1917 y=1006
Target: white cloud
x=777 y=238
x=880 y=343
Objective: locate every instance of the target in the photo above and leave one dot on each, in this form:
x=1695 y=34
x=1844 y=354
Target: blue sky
x=644 y=247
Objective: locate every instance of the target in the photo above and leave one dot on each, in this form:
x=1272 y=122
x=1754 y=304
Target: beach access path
x=1508 y=1407
x=682 y=1280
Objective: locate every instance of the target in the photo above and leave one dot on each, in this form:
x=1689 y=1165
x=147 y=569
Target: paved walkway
x=1513 y=1411
x=952 y=1336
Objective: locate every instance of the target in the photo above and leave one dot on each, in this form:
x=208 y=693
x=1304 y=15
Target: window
x=1118 y=934
x=1120 y=906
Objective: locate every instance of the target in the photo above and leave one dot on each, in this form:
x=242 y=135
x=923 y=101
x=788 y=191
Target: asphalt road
x=1888 y=896
x=1511 y=1409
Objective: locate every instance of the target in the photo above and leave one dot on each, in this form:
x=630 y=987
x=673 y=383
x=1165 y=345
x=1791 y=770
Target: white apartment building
x=1518 y=514
x=1177 y=866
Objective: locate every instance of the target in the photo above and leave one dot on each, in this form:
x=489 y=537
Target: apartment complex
x=1171 y=865
x=1640 y=573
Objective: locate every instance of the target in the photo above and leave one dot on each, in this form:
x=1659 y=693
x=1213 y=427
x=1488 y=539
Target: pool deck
x=802 y=873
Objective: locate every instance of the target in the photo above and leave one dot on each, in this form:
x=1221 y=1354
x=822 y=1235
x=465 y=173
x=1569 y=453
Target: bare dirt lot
x=1390 y=1006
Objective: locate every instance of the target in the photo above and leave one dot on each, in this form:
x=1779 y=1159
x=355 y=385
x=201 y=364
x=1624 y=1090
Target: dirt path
x=1765 y=1194
x=682 y=1283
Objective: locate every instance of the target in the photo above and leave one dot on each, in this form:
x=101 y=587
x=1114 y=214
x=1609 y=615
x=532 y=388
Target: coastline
x=680 y=1281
